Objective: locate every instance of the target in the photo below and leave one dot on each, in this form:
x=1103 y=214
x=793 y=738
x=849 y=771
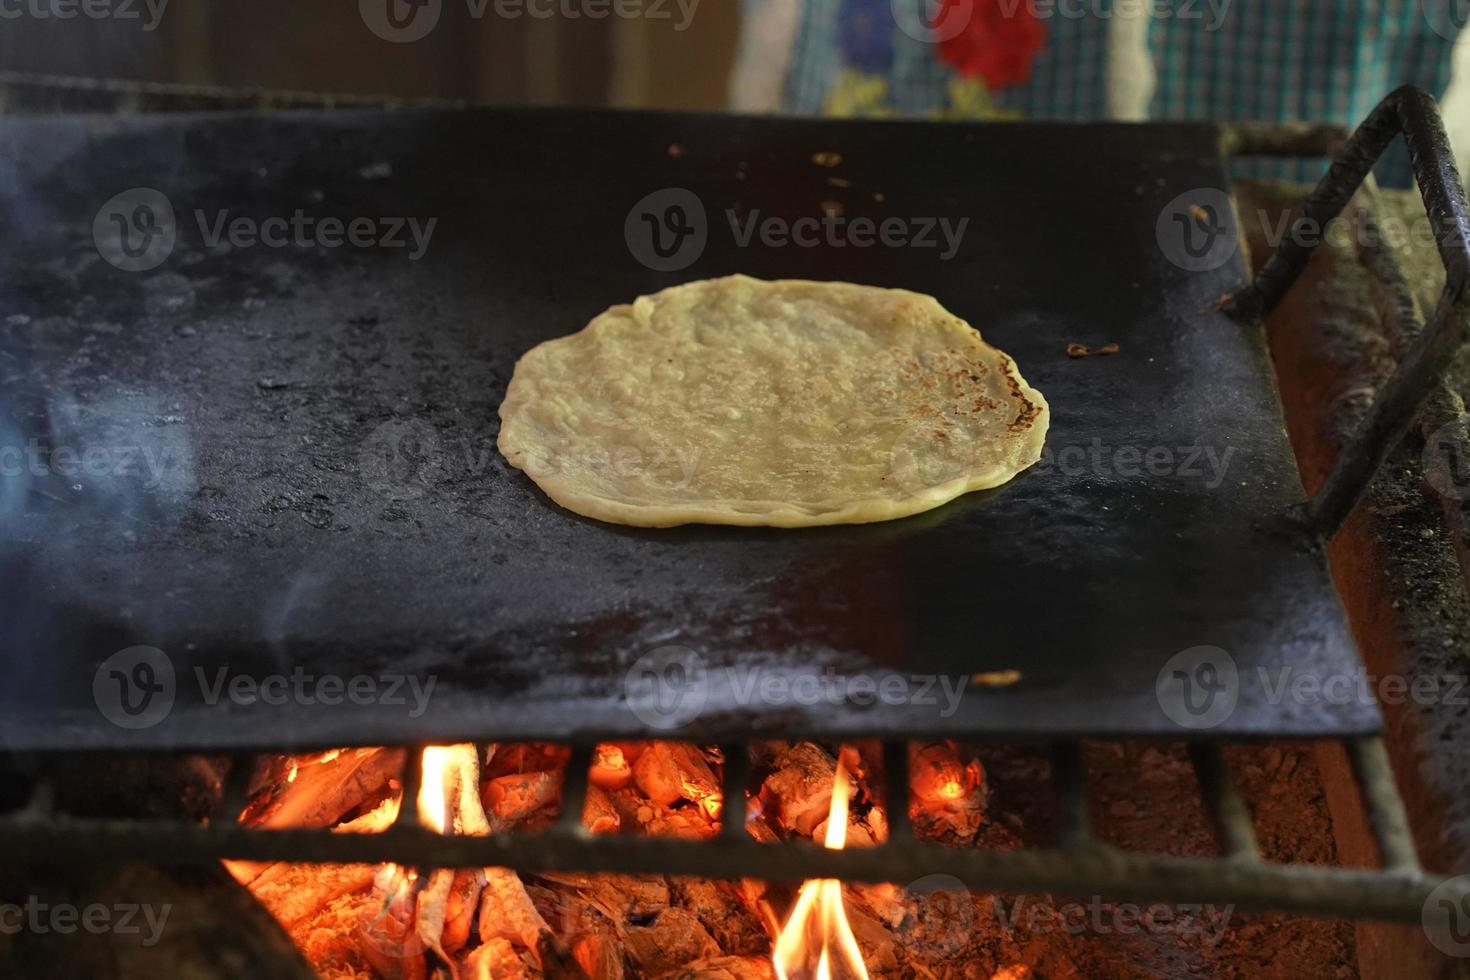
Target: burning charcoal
x=294 y=893
x=518 y=758
x=512 y=800
x=948 y=793
x=675 y=938
x=880 y=952
x=618 y=897
x=671 y=771
x=507 y=912
x=599 y=955
x=432 y=909
x=801 y=787
x=459 y=911
x=496 y=960
x=600 y=816
x=724 y=912
x=388 y=938
x=318 y=790
x=610 y=767
x=726 y=968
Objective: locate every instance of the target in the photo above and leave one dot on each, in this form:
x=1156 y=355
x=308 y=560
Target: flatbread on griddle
x=787 y=404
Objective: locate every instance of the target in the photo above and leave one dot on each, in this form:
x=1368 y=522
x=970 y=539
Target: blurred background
x=1319 y=61
x=669 y=61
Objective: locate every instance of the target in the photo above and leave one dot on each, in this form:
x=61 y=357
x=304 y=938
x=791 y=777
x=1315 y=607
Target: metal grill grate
x=1080 y=864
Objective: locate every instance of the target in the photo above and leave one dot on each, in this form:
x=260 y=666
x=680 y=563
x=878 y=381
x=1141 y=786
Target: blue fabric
x=1270 y=60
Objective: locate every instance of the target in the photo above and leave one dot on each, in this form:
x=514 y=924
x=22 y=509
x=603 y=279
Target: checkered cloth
x=1270 y=60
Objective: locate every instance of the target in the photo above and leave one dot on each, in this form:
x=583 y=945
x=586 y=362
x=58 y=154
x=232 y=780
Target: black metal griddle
x=338 y=505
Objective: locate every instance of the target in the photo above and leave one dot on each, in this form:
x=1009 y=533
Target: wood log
x=517 y=799
x=600 y=816
x=462 y=908
x=600 y=956
x=319 y=790
x=668 y=772
x=388 y=938
x=294 y=893
x=725 y=914
x=496 y=960
x=725 y=968
x=798 y=792
x=507 y=912
x=672 y=940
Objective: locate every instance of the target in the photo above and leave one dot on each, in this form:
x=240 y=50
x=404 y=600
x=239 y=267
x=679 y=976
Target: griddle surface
x=281 y=537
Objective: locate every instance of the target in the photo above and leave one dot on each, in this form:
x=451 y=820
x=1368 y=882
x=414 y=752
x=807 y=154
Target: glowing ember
x=817 y=941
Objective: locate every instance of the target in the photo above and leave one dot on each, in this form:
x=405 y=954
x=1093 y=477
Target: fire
x=818 y=928
x=434 y=791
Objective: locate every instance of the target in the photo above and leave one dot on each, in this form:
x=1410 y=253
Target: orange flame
x=818 y=927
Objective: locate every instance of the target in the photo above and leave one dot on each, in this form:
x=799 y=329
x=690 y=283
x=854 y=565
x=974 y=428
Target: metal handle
x=1412 y=113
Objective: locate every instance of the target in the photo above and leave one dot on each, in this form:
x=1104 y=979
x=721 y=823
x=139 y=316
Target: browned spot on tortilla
x=1029 y=411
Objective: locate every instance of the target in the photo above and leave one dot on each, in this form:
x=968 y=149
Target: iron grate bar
x=1412 y=114
x=413 y=779
x=1231 y=816
x=1385 y=808
x=896 y=790
x=1079 y=867
x=237 y=788
x=1069 y=773
x=574 y=790
x=1312 y=889
x=732 y=788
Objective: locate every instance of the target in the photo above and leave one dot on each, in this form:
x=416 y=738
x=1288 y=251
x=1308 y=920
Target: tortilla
x=785 y=404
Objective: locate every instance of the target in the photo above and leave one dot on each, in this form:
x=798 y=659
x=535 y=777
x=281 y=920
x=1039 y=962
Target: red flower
x=992 y=39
